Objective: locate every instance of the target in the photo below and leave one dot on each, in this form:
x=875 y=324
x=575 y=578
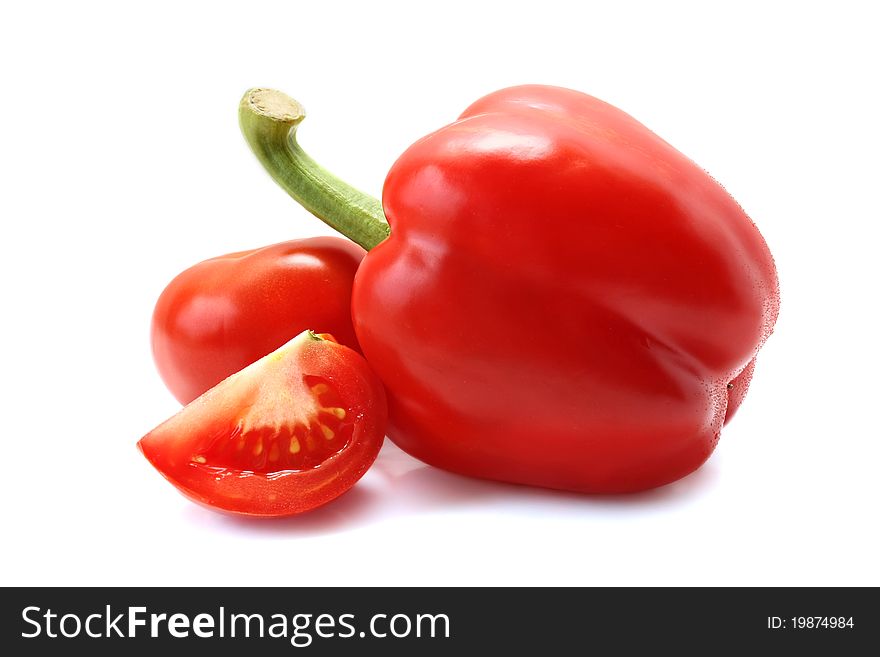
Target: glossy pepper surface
x=564 y=299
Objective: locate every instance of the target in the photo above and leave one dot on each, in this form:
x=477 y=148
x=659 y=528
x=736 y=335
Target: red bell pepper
x=564 y=300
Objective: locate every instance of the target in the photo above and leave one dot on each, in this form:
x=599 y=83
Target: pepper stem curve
x=268 y=120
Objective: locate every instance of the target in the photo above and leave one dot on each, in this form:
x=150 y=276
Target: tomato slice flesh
x=250 y=444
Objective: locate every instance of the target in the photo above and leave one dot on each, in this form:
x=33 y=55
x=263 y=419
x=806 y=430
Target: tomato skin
x=188 y=448
x=563 y=298
x=224 y=313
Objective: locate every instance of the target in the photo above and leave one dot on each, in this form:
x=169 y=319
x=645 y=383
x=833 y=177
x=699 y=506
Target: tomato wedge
x=287 y=434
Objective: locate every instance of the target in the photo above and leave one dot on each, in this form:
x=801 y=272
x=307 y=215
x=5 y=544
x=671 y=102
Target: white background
x=122 y=164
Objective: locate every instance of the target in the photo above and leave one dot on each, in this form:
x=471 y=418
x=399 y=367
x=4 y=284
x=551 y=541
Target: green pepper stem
x=269 y=120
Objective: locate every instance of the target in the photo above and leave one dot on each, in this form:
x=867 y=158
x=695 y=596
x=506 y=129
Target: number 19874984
x=810 y=623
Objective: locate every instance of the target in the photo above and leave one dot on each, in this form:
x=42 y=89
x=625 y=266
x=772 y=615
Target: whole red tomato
x=223 y=314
